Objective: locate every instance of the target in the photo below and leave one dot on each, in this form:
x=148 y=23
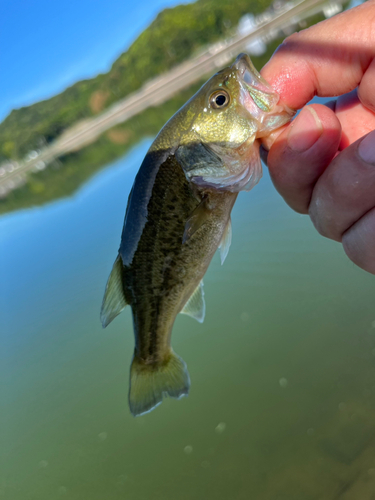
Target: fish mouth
x=259 y=98
x=260 y=91
x=247 y=72
x=243 y=64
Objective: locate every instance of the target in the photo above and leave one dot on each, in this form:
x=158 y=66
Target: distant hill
x=171 y=38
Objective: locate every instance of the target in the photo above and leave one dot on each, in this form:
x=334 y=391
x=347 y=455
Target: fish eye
x=219 y=99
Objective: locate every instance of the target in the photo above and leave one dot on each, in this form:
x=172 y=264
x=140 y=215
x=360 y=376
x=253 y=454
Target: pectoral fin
x=114 y=299
x=226 y=240
x=197 y=218
x=195 y=306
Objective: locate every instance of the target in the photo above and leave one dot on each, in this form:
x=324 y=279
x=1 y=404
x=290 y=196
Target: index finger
x=329 y=59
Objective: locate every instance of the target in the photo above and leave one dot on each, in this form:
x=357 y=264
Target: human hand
x=323 y=163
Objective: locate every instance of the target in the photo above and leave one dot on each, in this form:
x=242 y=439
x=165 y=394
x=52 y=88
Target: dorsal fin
x=137 y=210
x=225 y=242
x=195 y=306
x=114 y=299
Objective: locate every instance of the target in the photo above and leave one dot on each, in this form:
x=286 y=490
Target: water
x=282 y=403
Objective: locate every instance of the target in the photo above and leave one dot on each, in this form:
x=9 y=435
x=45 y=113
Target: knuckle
x=288 y=43
x=317 y=222
x=359 y=240
x=323 y=219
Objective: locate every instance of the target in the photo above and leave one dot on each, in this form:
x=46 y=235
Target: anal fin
x=195 y=306
x=114 y=299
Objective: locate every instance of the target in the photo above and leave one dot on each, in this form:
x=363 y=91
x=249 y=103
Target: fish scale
x=161 y=288
x=178 y=214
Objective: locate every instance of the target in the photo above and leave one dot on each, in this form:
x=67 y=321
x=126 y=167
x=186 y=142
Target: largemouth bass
x=178 y=214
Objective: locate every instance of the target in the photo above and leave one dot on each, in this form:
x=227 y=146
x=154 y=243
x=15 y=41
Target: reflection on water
x=282 y=403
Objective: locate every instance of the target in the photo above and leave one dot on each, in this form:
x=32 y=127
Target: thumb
x=301 y=153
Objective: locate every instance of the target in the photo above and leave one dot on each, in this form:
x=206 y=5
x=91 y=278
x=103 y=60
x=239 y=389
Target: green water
x=282 y=402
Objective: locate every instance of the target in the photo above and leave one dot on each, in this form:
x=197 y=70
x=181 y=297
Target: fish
x=178 y=215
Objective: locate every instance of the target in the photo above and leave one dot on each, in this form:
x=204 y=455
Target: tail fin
x=150 y=383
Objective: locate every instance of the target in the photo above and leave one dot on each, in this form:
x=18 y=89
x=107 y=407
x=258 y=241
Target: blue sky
x=47 y=46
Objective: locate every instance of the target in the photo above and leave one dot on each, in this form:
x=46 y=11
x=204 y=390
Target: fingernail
x=305 y=130
x=366 y=149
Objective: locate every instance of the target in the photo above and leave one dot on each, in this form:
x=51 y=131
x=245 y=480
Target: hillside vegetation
x=171 y=38
x=64 y=176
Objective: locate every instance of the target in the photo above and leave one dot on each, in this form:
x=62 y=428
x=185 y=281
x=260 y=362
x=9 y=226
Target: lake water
x=282 y=401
